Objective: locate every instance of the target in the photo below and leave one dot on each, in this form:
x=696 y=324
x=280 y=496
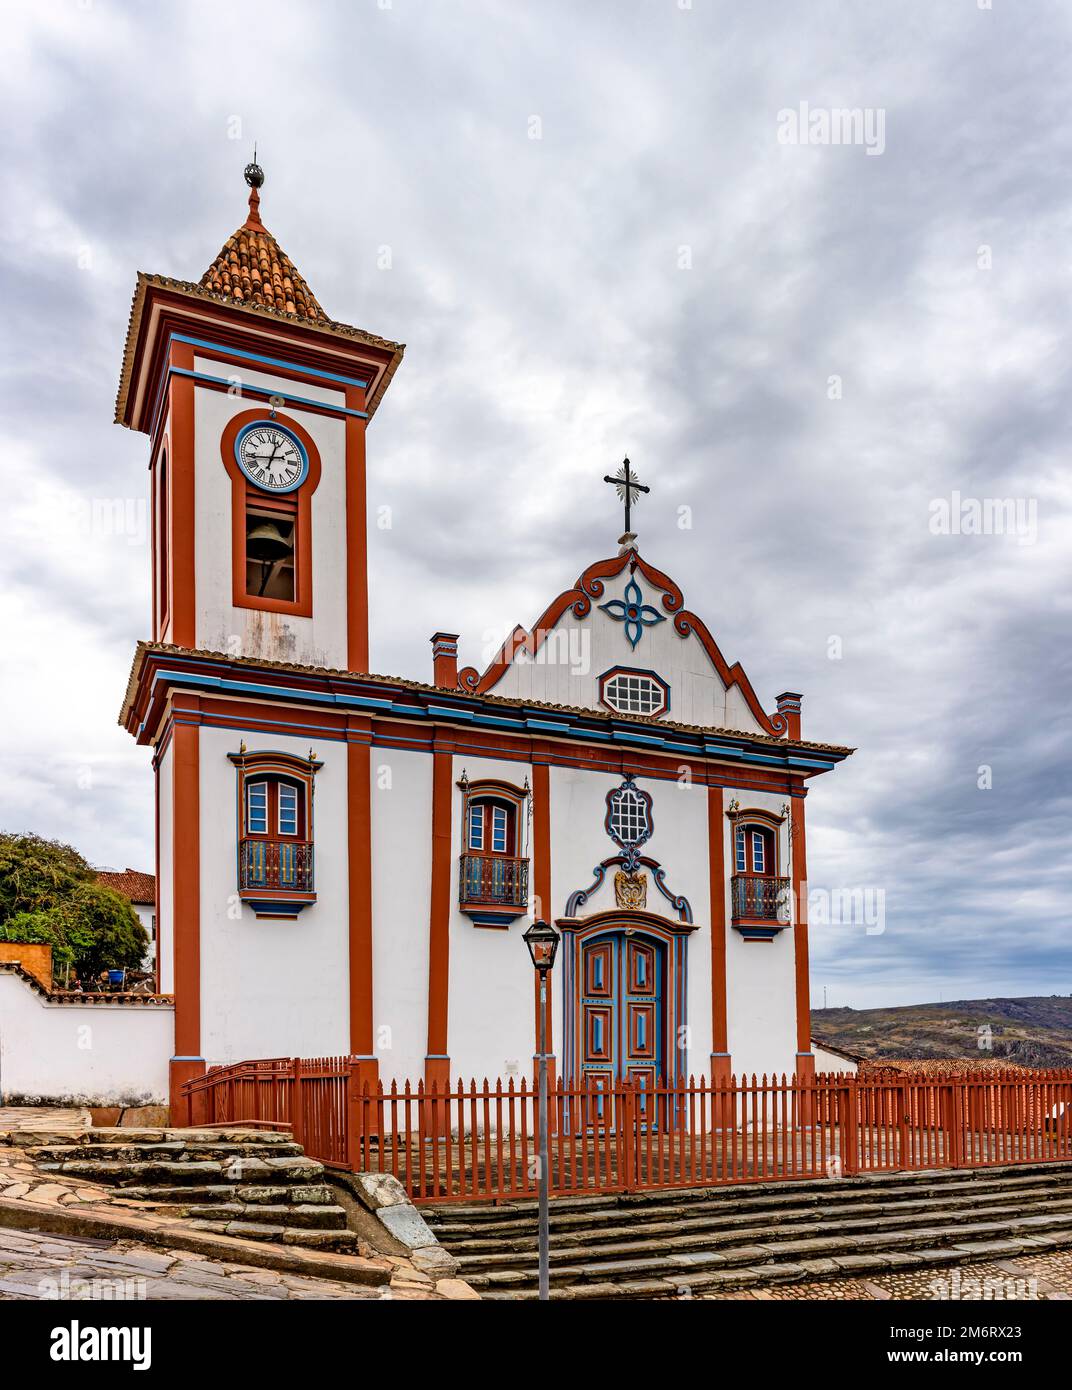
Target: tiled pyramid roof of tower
x=254 y=269
x=254 y=274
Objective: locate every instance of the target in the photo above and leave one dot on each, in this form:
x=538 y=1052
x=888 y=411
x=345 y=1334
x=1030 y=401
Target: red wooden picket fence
x=478 y=1142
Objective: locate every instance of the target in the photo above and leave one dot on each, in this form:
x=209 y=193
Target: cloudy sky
x=609 y=229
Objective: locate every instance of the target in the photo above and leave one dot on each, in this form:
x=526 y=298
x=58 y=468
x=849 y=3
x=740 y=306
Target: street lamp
x=542 y=941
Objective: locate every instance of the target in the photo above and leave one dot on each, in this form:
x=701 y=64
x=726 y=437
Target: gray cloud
x=551 y=330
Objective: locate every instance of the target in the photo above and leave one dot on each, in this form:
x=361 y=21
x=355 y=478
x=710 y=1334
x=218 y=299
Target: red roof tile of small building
x=132 y=883
x=937 y=1066
x=254 y=269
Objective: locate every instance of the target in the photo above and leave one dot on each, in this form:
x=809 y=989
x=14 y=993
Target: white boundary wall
x=85 y=1054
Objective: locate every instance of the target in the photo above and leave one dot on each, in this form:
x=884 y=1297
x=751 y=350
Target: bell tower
x=256 y=405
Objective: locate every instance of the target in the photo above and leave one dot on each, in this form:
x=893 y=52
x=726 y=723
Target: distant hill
x=1033 y=1032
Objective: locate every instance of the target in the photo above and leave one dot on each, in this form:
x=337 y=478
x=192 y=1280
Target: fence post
x=354 y=1118
x=629 y=1135
x=297 y=1114
x=850 y=1127
x=955 y=1130
x=904 y=1151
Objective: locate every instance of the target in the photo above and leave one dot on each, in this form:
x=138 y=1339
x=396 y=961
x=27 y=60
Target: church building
x=345 y=861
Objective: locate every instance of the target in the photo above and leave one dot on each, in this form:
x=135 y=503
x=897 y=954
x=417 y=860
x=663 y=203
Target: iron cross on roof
x=626 y=481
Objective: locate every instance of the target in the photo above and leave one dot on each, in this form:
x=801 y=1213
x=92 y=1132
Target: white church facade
x=345 y=861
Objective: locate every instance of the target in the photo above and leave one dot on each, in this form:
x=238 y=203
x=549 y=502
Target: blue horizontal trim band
x=451 y=712
x=529 y=722
x=250 y=390
x=499 y=721
x=652 y=739
x=268 y=361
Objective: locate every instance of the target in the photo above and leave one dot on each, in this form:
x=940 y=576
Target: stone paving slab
x=14 y=1118
x=36 y=1266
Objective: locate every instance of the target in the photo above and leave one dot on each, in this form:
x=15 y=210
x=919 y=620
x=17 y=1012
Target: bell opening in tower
x=270 y=533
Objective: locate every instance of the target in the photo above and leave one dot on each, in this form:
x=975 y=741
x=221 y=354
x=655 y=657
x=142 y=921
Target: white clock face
x=271 y=458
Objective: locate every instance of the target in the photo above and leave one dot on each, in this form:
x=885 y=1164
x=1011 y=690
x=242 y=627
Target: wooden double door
x=623 y=1011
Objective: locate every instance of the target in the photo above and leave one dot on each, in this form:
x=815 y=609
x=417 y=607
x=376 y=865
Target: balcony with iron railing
x=759 y=906
x=493 y=889
x=275 y=866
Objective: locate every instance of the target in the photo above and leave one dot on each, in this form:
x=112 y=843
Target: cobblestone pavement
x=1028 y=1277
x=36 y=1266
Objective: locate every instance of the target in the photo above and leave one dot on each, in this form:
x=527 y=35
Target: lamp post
x=542 y=941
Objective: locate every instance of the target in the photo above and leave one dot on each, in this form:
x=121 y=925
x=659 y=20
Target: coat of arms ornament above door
x=630 y=890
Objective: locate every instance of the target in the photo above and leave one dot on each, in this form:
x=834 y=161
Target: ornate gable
x=623 y=639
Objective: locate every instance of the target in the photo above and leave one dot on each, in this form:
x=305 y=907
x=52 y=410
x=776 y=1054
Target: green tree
x=49 y=893
x=36 y=874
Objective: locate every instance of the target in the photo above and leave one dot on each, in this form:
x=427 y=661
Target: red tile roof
x=254 y=269
x=938 y=1066
x=132 y=883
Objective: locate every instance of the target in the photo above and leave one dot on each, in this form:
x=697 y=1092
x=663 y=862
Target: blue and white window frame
x=638 y=673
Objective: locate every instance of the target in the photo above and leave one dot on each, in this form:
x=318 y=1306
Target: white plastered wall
x=760 y=975
x=679 y=843
x=316 y=641
x=164 y=875
x=74 y=1054
x=831 y=1062
x=401 y=889
x=272 y=988
x=492 y=1015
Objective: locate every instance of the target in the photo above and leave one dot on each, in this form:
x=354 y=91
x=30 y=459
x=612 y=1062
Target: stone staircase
x=257 y=1184
x=678 y=1243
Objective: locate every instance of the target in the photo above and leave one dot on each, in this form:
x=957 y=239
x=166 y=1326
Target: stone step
x=676 y=1261
x=815 y=1235
x=263 y=1138
x=456 y=1220
x=305 y=1193
x=778 y=1225
x=172 y=1151
x=297 y=1214
x=277 y=1233
x=238 y=1169
x=728 y=1280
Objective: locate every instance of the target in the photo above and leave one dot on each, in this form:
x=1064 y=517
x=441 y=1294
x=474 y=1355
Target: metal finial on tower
x=253 y=173
x=254 y=176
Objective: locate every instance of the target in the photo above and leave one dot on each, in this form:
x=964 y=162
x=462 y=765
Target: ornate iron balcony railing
x=283 y=864
x=487 y=878
x=765 y=899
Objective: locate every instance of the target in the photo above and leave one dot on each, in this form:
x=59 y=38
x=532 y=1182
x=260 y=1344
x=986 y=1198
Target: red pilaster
x=721 y=1063
x=437 y=1059
x=359 y=864
x=805 y=1060
x=182 y=610
x=541 y=879
x=186 y=899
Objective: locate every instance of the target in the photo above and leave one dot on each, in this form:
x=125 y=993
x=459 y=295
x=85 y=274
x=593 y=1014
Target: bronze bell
x=267 y=543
